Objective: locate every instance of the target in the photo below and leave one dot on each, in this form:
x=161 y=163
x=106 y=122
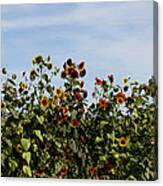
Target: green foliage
x=50 y=131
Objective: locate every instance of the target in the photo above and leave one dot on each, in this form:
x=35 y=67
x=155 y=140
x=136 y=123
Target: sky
x=111 y=37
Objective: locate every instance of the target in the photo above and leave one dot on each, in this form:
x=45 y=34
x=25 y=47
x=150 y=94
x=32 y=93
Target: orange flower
x=78 y=96
x=75 y=123
x=92 y=170
x=99 y=81
x=65 y=95
x=54 y=102
x=120 y=98
x=39 y=172
x=82 y=138
x=65 y=110
x=121 y=94
x=63 y=172
x=102 y=103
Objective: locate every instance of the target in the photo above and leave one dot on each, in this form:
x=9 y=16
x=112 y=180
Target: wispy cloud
x=83 y=15
x=111 y=37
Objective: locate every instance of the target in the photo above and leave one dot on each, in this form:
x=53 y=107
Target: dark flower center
x=44 y=102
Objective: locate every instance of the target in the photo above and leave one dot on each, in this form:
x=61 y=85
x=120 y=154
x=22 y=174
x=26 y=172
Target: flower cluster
x=50 y=131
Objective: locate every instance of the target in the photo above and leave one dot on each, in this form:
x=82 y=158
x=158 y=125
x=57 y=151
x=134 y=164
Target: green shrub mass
x=50 y=131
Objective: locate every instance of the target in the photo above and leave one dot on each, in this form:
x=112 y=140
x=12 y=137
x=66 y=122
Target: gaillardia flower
x=44 y=102
x=65 y=110
x=78 y=96
x=123 y=141
x=92 y=170
x=23 y=85
x=58 y=92
x=54 y=103
x=99 y=81
x=63 y=172
x=64 y=96
x=74 y=74
x=102 y=103
x=120 y=98
x=39 y=172
x=75 y=123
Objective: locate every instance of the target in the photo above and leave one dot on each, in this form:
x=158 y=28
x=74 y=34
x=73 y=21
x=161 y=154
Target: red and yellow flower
x=64 y=96
x=92 y=170
x=44 y=102
x=99 y=81
x=63 y=172
x=120 y=99
x=58 y=92
x=75 y=123
x=65 y=110
x=54 y=102
x=78 y=96
x=73 y=73
x=102 y=103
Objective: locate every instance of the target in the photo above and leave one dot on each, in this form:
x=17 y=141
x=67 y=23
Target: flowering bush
x=50 y=131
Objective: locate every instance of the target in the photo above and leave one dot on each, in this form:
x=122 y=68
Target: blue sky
x=112 y=37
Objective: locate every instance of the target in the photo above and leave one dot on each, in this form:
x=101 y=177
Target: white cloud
x=114 y=37
x=85 y=15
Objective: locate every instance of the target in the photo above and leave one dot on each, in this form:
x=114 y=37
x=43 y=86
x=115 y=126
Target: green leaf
x=40 y=119
x=13 y=165
x=27 y=156
x=103 y=123
x=15 y=115
x=73 y=114
x=58 y=165
x=99 y=139
x=27 y=170
x=103 y=158
x=26 y=143
x=38 y=134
